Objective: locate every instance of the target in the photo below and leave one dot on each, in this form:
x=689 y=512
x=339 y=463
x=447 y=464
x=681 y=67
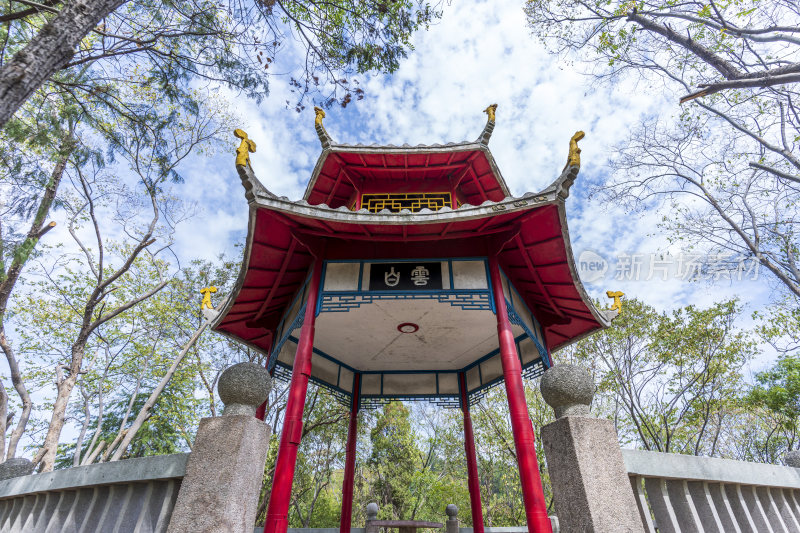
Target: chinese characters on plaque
x=405 y=276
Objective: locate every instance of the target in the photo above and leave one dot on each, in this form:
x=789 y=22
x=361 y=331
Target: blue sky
x=480 y=53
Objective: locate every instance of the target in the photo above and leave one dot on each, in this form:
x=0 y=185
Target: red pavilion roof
x=530 y=232
x=536 y=254
x=467 y=169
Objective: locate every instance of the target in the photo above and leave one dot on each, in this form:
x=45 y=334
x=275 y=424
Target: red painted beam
x=399 y=237
x=333 y=188
x=350 y=460
x=473 y=481
x=522 y=428
x=535 y=275
x=278 y=509
x=276 y=286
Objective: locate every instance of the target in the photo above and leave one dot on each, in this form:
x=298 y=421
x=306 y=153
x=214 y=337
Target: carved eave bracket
x=609 y=314
x=322 y=133
x=562 y=185
x=252 y=187
x=486 y=134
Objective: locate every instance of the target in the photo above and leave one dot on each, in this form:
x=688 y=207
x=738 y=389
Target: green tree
x=53 y=137
x=233 y=42
x=165 y=431
x=776 y=394
x=96 y=286
x=393 y=462
x=671 y=382
x=133 y=363
x=30 y=174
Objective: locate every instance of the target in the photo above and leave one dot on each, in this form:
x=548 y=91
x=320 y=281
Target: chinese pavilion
x=408 y=272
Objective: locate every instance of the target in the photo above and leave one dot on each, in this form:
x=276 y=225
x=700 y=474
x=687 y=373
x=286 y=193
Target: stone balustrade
x=678 y=493
x=132 y=495
x=671 y=493
x=213 y=489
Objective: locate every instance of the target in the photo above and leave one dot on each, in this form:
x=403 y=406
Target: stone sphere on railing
x=568 y=389
x=16 y=467
x=792 y=458
x=451 y=511
x=243 y=387
x=372 y=511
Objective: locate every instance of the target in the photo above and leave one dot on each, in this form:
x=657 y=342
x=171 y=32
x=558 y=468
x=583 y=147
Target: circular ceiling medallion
x=407 y=327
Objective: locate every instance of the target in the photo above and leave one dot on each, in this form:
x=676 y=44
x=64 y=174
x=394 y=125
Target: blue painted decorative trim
x=480 y=299
x=372 y=372
x=448 y=401
x=296 y=323
x=515 y=319
x=291 y=304
x=318 y=308
x=533 y=369
x=284 y=373
x=448 y=260
x=452 y=276
x=489 y=281
x=342 y=302
x=512 y=309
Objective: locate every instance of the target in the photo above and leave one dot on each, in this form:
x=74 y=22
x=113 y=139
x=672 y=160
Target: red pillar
x=278 y=509
x=350 y=460
x=532 y=493
x=261 y=411
x=473 y=483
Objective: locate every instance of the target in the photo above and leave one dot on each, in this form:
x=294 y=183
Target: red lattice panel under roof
x=535 y=260
x=344 y=174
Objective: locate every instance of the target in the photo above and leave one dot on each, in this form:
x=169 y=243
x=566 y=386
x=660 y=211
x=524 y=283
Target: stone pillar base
x=223 y=477
x=591 y=489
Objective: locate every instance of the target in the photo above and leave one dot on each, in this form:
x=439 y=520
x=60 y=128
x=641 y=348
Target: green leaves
x=778 y=389
x=669 y=380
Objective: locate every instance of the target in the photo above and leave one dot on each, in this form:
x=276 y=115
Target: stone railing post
x=591 y=488
x=226 y=467
x=372 y=515
x=451 y=526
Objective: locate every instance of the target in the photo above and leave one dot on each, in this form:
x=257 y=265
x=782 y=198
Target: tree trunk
x=50 y=446
x=87 y=414
x=89 y=449
x=89 y=459
x=9 y=280
x=50 y=50
x=151 y=401
x=3 y=418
